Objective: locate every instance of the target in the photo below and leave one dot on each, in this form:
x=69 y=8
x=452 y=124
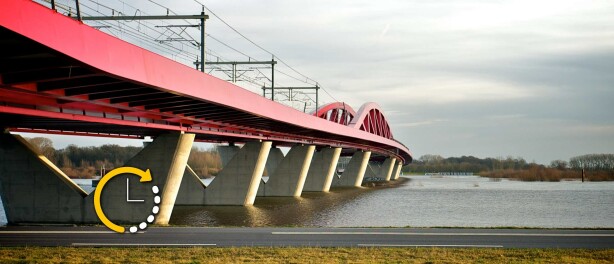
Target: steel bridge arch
x=370 y=118
x=337 y=112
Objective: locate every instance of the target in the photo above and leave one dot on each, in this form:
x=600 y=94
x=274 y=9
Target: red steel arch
x=337 y=112
x=370 y=118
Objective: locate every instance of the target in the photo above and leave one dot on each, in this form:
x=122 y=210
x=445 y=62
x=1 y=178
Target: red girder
x=91 y=83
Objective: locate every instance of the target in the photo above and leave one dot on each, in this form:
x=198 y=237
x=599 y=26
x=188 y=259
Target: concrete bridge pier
x=192 y=190
x=322 y=170
x=34 y=190
x=397 y=170
x=289 y=177
x=166 y=157
x=272 y=162
x=227 y=153
x=355 y=170
x=372 y=170
x=387 y=168
x=237 y=183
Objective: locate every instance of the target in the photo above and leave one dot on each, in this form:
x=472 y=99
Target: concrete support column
x=179 y=162
x=395 y=167
x=322 y=170
x=387 y=168
x=398 y=170
x=237 y=183
x=289 y=177
x=355 y=170
x=166 y=157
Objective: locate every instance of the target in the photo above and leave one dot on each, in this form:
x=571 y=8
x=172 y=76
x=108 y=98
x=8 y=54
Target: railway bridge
x=60 y=76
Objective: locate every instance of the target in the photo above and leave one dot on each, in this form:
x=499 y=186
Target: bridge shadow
x=272 y=211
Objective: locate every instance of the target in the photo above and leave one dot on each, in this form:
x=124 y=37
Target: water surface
x=422 y=201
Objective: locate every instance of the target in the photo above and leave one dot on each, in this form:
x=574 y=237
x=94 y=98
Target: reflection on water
x=269 y=211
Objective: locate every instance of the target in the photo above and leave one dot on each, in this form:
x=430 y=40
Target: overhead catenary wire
x=143 y=38
x=134 y=32
x=188 y=53
x=228 y=46
x=307 y=79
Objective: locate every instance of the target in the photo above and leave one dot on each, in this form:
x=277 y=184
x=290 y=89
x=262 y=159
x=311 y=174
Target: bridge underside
x=42 y=90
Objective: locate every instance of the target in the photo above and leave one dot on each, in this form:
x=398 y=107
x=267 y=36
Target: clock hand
x=128 y=193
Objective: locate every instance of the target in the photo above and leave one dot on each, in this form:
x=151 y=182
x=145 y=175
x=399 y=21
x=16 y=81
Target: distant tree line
x=86 y=162
x=597 y=167
x=436 y=163
x=593 y=162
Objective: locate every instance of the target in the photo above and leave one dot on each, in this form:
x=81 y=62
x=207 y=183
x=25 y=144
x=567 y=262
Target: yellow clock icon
x=145 y=177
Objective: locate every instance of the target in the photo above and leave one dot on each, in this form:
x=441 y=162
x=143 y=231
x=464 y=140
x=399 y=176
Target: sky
x=531 y=79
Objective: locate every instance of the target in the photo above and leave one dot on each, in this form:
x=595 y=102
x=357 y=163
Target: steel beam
x=130 y=18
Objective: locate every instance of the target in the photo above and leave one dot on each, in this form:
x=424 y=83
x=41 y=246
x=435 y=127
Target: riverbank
x=548 y=174
x=301 y=255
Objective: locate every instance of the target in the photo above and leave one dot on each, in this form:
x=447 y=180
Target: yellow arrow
x=145 y=177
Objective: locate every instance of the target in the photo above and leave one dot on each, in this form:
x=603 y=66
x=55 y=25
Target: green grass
x=300 y=255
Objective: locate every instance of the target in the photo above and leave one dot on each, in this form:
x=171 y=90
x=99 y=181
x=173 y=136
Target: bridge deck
x=58 y=75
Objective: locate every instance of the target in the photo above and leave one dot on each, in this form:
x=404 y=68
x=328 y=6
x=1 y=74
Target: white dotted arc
x=154 y=211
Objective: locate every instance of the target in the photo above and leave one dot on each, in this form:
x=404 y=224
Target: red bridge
x=58 y=75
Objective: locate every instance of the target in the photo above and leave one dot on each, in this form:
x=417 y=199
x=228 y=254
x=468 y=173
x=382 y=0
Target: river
x=422 y=201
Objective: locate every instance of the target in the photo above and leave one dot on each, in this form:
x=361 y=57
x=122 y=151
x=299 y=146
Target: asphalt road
x=337 y=237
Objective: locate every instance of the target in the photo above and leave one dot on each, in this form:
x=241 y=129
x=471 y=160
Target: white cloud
x=445 y=91
x=482 y=16
x=419 y=123
x=592 y=130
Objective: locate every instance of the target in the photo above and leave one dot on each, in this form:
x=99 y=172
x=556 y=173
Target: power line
x=307 y=79
x=228 y=46
x=236 y=31
x=146 y=39
x=187 y=53
x=263 y=49
x=136 y=33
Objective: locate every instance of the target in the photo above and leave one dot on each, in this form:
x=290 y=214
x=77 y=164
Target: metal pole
x=202 y=42
x=53 y=5
x=78 y=12
x=234 y=73
x=317 y=88
x=273 y=78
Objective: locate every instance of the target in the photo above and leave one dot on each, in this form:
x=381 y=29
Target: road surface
x=335 y=237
